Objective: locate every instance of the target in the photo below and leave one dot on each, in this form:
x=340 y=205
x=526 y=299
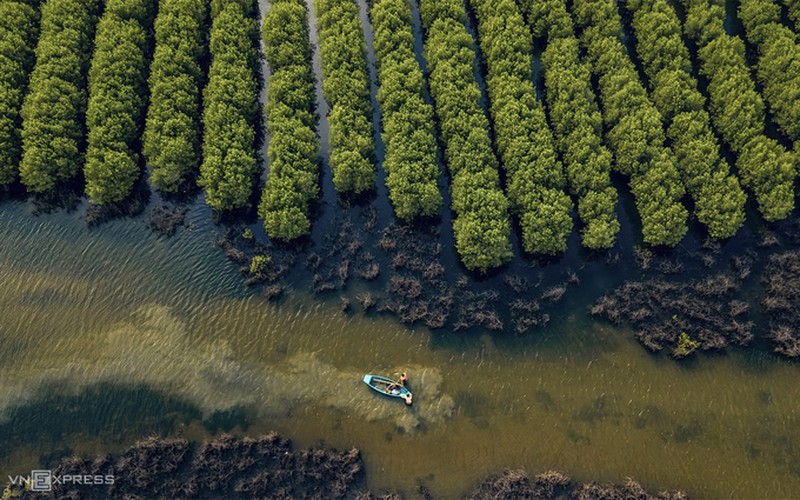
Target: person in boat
x=401 y=382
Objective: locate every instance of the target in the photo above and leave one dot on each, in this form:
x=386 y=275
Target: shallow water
x=112 y=333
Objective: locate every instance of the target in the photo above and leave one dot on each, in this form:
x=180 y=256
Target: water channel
x=110 y=333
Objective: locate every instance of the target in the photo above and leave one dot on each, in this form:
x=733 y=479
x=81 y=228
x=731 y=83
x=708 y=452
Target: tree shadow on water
x=109 y=411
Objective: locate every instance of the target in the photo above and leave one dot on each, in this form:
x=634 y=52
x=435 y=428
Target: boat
x=381 y=385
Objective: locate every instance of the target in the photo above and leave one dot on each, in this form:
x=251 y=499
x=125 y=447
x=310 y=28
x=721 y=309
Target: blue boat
x=388 y=387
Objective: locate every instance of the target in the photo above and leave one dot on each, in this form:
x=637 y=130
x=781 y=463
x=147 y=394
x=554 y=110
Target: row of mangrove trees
x=108 y=88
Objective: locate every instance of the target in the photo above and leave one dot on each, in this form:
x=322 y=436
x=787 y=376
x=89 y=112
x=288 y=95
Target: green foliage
x=481 y=244
x=663 y=223
x=719 y=199
x=259 y=264
x=431 y=11
x=704 y=20
x=548 y=18
x=293 y=151
x=576 y=122
x=230 y=102
x=482 y=227
x=686 y=346
x=117 y=99
x=141 y=11
x=769 y=168
x=597 y=210
x=524 y=141
x=737 y=111
x=736 y=108
x=54 y=108
x=793 y=10
x=247 y=233
x=346 y=87
x=18 y=31
x=247 y=7
x=171 y=139
x=410 y=161
x=778 y=68
x=598 y=20
x=635 y=131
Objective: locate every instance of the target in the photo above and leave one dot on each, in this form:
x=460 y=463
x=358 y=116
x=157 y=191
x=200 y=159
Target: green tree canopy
x=410 y=160
x=230 y=100
x=738 y=112
x=718 y=197
x=117 y=99
x=482 y=226
x=171 y=140
x=19 y=27
x=535 y=178
x=293 y=177
x=346 y=87
x=635 y=130
x=576 y=122
x=778 y=66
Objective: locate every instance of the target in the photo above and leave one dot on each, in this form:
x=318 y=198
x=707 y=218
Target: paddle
x=390 y=385
x=396 y=382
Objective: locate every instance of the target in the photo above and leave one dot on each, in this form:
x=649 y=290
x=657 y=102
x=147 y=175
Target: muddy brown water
x=112 y=333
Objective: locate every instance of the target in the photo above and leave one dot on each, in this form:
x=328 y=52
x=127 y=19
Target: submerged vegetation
x=782 y=282
x=554 y=484
x=269 y=466
x=705 y=314
x=265 y=466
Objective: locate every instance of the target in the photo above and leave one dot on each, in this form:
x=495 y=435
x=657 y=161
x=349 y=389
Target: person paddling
x=401 y=382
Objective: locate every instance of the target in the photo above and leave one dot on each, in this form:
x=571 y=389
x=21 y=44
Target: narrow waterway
x=111 y=333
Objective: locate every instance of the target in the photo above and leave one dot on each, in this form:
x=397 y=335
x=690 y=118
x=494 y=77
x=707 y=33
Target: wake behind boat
x=388 y=387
